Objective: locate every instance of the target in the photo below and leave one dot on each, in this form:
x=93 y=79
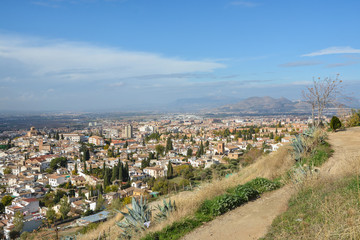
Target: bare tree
x=310 y=98
x=323 y=93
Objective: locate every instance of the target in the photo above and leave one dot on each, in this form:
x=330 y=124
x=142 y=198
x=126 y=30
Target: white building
x=96 y=140
x=72 y=137
x=56 y=180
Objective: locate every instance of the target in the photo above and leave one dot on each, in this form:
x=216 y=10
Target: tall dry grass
x=325 y=208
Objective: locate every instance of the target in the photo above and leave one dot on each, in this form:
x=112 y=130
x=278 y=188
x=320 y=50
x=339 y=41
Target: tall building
x=128 y=132
x=221 y=148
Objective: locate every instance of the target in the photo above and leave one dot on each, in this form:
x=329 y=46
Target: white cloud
x=64 y=61
x=333 y=65
x=332 y=50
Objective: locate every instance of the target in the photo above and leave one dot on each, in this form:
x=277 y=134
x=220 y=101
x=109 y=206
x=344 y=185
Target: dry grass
x=323 y=209
x=327 y=205
x=269 y=166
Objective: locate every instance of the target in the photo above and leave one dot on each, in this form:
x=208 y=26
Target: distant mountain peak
x=266 y=105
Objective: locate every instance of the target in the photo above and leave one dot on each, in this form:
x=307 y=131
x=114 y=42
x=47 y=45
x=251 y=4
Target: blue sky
x=82 y=55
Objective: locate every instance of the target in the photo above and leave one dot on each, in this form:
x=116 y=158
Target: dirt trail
x=346 y=146
x=252 y=220
x=246 y=222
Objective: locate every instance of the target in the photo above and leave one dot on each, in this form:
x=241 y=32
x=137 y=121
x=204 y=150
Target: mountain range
x=266 y=105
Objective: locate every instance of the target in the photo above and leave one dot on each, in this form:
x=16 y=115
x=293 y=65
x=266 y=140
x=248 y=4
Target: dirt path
x=246 y=222
x=346 y=146
x=252 y=220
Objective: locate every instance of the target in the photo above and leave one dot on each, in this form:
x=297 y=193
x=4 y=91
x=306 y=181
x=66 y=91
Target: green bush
x=335 y=123
x=263 y=185
x=247 y=192
x=225 y=203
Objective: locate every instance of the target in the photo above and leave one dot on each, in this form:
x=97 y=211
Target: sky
x=90 y=55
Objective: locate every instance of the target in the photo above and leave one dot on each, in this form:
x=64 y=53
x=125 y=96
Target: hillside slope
x=252 y=220
x=268 y=166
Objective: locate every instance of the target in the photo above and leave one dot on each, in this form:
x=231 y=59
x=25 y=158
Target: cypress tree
x=170 y=171
x=201 y=148
x=126 y=173
x=169 y=145
x=115 y=173
x=104 y=169
x=121 y=172
x=106 y=179
x=76 y=168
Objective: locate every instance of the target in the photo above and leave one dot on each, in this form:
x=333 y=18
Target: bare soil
x=252 y=220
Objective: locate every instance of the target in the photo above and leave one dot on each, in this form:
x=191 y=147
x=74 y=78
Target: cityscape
x=179 y=120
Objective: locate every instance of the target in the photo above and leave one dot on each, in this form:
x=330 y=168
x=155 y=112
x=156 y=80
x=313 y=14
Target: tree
x=58 y=163
x=189 y=152
x=121 y=172
x=7 y=170
x=2 y=208
x=115 y=173
x=169 y=145
x=103 y=169
x=201 y=148
x=18 y=221
x=76 y=168
x=85 y=168
x=271 y=135
x=151 y=155
x=64 y=207
x=14 y=234
x=170 y=171
x=106 y=178
x=159 y=149
x=51 y=215
x=335 y=123
x=126 y=144
x=145 y=163
x=323 y=93
x=6 y=200
x=99 y=203
x=126 y=173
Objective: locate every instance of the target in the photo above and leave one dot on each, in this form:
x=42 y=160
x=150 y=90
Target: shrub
x=262 y=185
x=225 y=203
x=335 y=123
x=354 y=119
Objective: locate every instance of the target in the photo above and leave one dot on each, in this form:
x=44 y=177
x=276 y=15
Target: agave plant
x=309 y=132
x=298 y=147
x=165 y=210
x=137 y=219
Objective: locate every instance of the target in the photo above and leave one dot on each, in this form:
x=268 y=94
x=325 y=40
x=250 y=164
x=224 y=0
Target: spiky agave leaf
x=165 y=210
x=298 y=147
x=135 y=218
